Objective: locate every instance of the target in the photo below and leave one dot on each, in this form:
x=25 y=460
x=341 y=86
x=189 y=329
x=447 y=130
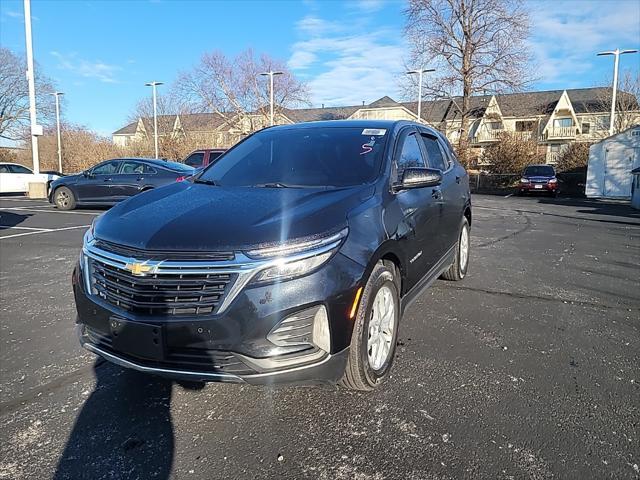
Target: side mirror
x=87 y=174
x=418 y=178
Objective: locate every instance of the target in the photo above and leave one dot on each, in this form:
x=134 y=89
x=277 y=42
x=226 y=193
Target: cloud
x=348 y=62
x=99 y=70
x=565 y=38
x=12 y=14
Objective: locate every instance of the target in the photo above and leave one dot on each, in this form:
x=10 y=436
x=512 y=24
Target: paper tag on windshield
x=374 y=131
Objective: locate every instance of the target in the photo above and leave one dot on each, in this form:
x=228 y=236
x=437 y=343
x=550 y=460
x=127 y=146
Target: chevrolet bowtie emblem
x=139 y=269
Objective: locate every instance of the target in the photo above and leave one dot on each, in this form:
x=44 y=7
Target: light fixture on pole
x=153 y=85
x=271 y=73
x=57 y=95
x=616 y=54
x=420 y=73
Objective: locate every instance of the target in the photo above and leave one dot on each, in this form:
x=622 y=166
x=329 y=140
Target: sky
x=101 y=53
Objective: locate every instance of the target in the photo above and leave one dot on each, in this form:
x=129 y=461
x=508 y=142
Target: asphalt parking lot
x=529 y=369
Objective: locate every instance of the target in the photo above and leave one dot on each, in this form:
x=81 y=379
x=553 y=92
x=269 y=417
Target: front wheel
x=458 y=269
x=375 y=333
x=64 y=198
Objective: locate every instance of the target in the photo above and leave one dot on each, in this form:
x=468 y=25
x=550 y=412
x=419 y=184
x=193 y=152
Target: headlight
x=524 y=180
x=553 y=180
x=283 y=269
x=297 y=258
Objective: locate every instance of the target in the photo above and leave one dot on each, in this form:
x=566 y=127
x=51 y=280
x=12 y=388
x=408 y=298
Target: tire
x=64 y=198
x=458 y=269
x=365 y=371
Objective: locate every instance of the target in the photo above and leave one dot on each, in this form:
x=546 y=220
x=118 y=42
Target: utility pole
x=36 y=130
x=420 y=73
x=271 y=73
x=616 y=54
x=153 y=85
x=57 y=95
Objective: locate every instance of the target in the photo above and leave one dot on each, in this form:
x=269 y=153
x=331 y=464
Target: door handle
x=457 y=179
x=107 y=179
x=435 y=193
x=139 y=179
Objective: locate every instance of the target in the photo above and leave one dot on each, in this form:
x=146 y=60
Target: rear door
x=129 y=180
x=97 y=186
x=420 y=209
x=450 y=194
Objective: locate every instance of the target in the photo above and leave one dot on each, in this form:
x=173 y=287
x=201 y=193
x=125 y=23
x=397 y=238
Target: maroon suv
x=539 y=179
x=204 y=157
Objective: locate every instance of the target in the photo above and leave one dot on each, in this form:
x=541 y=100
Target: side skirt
x=432 y=275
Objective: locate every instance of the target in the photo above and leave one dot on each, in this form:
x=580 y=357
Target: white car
x=15 y=178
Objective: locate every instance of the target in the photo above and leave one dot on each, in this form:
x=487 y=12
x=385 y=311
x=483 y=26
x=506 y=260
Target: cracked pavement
x=528 y=369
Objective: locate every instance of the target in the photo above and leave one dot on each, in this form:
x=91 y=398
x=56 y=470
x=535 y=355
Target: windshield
x=302 y=157
x=539 y=171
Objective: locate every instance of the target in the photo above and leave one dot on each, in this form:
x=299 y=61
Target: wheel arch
x=389 y=252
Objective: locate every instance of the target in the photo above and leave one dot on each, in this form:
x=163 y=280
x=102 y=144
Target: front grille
x=159 y=294
x=163 y=255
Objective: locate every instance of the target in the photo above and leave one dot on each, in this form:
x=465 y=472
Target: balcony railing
x=487 y=136
x=557 y=133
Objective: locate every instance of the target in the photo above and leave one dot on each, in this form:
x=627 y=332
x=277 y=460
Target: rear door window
x=19 y=169
x=435 y=157
x=132 y=168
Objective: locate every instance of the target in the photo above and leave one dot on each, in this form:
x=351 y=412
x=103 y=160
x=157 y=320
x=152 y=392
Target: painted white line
x=24 y=228
x=510 y=195
x=52 y=210
x=44 y=231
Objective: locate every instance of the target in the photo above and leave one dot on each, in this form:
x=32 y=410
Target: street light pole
x=57 y=95
x=153 y=85
x=35 y=129
x=271 y=73
x=616 y=54
x=420 y=73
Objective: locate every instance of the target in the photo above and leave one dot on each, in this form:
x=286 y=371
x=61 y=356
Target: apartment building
x=553 y=119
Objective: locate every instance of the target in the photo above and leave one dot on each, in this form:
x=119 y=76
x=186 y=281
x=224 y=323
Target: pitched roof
x=128 y=129
x=316 y=114
x=201 y=122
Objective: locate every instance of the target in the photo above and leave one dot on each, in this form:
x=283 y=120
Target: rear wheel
x=64 y=199
x=375 y=333
x=458 y=269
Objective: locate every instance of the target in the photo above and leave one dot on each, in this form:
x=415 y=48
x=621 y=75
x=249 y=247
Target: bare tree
x=14 y=96
x=233 y=88
x=475 y=45
x=627 y=101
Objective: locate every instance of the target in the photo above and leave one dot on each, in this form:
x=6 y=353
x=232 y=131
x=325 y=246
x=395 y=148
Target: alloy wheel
x=381 y=327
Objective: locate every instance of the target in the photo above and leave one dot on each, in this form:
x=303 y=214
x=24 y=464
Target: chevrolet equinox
x=291 y=259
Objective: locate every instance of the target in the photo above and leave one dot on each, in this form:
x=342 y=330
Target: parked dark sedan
x=290 y=259
x=114 y=180
x=539 y=179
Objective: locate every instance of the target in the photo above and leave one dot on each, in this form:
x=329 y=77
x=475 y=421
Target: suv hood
x=193 y=217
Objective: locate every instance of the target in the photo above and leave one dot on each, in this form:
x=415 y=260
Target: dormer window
x=562 y=122
x=494 y=125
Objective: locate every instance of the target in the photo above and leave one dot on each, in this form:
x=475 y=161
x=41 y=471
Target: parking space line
x=44 y=231
x=22 y=228
x=52 y=210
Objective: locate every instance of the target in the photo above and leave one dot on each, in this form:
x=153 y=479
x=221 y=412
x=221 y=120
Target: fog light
x=308 y=327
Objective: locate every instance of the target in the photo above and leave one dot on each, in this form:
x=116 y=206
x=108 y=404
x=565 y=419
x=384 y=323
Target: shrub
x=574 y=158
x=511 y=154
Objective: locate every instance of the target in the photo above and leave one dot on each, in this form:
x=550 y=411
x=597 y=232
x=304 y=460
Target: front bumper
x=232 y=346
x=541 y=187
x=327 y=370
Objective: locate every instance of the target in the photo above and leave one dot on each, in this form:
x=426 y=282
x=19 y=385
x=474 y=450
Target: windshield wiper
x=206 y=182
x=272 y=185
